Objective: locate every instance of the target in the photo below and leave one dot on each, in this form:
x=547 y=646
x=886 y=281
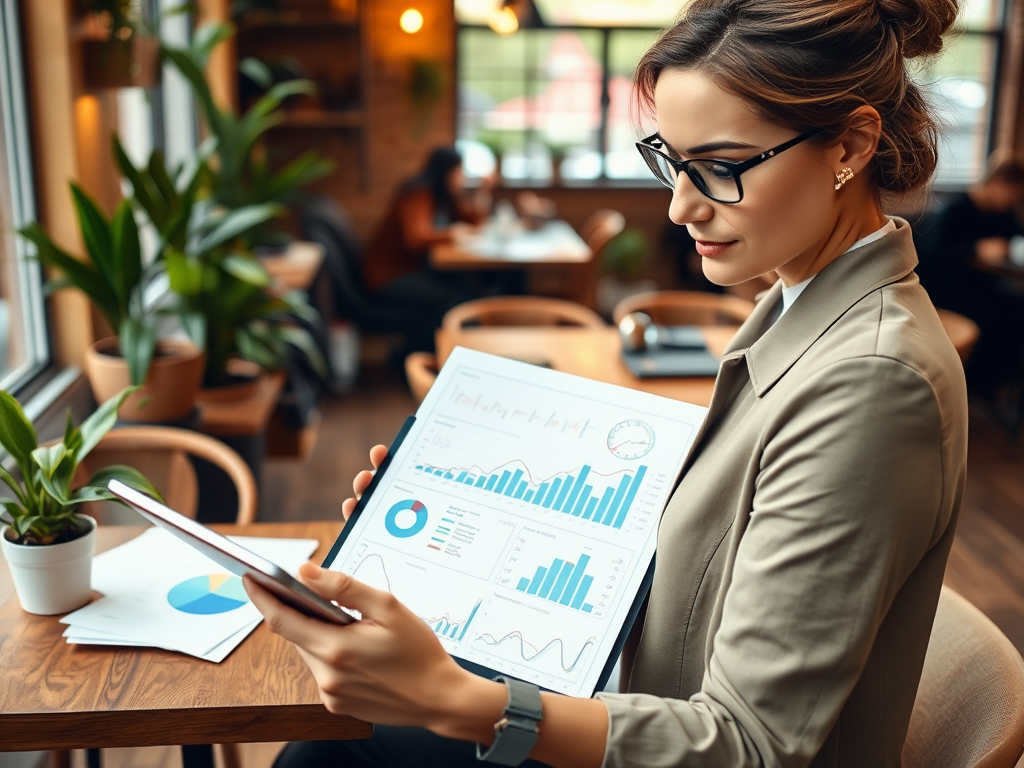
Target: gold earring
x=843 y=176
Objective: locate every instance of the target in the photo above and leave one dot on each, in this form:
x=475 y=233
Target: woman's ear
x=860 y=142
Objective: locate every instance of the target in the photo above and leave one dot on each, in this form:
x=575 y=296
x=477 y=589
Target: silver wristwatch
x=516 y=732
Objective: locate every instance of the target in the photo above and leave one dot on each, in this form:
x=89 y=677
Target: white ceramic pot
x=51 y=579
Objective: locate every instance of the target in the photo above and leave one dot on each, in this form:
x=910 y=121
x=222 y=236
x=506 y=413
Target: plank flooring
x=986 y=564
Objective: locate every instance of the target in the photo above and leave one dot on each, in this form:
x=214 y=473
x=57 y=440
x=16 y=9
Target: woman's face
x=789 y=207
x=456 y=181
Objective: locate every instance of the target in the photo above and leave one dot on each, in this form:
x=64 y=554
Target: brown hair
x=810 y=63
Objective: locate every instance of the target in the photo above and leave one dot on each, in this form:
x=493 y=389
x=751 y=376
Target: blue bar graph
x=563 y=582
x=604 y=500
x=444 y=627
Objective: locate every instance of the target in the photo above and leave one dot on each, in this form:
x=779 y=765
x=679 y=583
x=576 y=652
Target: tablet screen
x=518 y=516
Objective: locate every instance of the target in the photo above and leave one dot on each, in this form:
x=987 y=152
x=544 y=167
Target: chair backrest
x=969 y=711
x=161 y=454
x=686 y=308
x=962 y=331
x=324 y=221
x=421 y=371
x=600 y=227
x=519 y=311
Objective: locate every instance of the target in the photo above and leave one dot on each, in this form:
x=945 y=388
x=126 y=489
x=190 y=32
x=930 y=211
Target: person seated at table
x=427 y=210
x=801 y=554
x=973 y=229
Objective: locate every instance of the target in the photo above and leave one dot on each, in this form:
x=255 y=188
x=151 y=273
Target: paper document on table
x=555 y=239
x=519 y=515
x=161 y=592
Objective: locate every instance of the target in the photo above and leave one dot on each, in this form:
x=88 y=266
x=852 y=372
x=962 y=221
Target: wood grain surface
x=59 y=696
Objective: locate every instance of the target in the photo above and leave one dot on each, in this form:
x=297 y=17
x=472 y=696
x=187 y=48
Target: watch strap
x=517 y=730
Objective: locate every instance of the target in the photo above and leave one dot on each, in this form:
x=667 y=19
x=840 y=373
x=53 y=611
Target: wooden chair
x=962 y=331
x=519 y=311
x=162 y=455
x=969 y=711
x=600 y=227
x=421 y=372
x=686 y=308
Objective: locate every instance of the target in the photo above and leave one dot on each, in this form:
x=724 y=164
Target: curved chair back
x=962 y=331
x=601 y=227
x=421 y=371
x=969 y=711
x=161 y=454
x=686 y=308
x=519 y=311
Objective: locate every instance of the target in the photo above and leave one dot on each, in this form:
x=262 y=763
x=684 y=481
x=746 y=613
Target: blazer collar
x=771 y=350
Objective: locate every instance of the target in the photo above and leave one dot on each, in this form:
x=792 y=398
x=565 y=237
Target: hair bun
x=919 y=24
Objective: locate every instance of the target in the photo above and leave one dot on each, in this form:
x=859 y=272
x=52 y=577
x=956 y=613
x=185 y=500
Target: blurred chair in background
x=668 y=308
x=519 y=311
x=962 y=331
x=421 y=372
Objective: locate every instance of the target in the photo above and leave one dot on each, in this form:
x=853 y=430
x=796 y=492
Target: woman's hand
x=388 y=668
x=362 y=480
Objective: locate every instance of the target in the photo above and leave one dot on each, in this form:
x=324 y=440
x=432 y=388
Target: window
x=556 y=99
x=23 y=343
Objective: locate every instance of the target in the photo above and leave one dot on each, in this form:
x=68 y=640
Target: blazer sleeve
x=847 y=501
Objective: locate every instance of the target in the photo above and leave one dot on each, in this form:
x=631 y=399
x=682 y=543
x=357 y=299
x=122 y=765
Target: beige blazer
x=801 y=556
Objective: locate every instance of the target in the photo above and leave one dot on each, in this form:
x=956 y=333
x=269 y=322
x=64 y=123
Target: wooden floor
x=986 y=564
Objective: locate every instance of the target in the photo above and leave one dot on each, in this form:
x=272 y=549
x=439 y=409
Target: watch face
x=631 y=439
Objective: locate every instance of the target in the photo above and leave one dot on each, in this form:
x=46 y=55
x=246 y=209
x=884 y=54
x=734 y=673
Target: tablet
x=236 y=558
x=517 y=514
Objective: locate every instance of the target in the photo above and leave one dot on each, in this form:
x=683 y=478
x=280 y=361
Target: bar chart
x=578 y=493
x=444 y=626
x=564 y=582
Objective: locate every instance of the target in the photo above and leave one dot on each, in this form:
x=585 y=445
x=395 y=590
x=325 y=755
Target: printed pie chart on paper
x=206 y=595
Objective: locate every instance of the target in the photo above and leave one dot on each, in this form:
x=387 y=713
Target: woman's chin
x=724 y=274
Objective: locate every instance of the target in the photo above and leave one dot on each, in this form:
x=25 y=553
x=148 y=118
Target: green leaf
x=306 y=168
x=96 y=233
x=138 y=345
x=127 y=475
x=48 y=458
x=72 y=437
x=100 y=422
x=192 y=70
x=126 y=254
x=13 y=484
x=237 y=223
x=194 y=324
x=86 y=494
x=247 y=269
x=185 y=274
x=22 y=524
x=257 y=71
x=303 y=341
x=142 y=187
x=17 y=434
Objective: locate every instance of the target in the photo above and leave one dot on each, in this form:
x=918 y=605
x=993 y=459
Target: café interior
x=206 y=185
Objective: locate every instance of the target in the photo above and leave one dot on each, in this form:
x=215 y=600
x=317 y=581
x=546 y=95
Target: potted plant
x=623 y=260
x=47 y=543
x=240 y=173
x=115 y=279
x=116 y=51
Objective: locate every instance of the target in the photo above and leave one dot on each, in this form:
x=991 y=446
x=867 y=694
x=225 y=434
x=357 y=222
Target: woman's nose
x=688 y=203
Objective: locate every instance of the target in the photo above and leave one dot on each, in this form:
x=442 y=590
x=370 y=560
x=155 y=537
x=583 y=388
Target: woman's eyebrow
x=711 y=146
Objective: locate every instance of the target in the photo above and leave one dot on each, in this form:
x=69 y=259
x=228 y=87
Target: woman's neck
x=849 y=227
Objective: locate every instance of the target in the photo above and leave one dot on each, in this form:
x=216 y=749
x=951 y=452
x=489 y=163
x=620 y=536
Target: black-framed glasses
x=717 y=179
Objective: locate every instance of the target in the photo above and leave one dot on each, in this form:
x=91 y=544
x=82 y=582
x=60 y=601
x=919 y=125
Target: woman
x=801 y=555
x=426 y=211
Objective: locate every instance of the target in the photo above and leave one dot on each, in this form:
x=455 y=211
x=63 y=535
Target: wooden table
x=594 y=353
x=59 y=696
x=556 y=258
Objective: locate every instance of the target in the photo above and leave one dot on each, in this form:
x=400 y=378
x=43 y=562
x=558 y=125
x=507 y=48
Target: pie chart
x=206 y=595
x=406 y=518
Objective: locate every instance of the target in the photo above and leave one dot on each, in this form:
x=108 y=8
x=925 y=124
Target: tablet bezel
x=232 y=556
x=479 y=669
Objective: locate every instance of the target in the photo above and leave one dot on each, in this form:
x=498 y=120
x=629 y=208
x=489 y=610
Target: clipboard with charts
x=517 y=514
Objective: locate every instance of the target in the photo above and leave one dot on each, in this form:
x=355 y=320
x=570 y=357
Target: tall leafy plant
x=240 y=172
x=43 y=510
x=114 y=276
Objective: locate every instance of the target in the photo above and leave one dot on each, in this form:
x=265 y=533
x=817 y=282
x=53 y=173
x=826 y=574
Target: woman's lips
x=712 y=249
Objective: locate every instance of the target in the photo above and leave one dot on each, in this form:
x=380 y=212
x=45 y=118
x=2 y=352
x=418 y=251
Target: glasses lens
x=660 y=166
x=715 y=180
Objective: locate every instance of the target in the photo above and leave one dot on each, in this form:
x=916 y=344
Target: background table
x=594 y=353
x=557 y=260
x=59 y=696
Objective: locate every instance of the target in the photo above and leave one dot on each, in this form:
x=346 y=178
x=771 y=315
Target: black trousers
x=389 y=747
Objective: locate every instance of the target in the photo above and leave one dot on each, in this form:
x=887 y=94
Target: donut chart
x=207 y=595
x=399 y=525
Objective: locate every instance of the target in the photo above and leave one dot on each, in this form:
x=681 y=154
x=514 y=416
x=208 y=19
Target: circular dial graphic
x=631 y=439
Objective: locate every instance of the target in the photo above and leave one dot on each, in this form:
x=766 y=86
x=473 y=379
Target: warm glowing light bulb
x=504 y=21
x=411 y=21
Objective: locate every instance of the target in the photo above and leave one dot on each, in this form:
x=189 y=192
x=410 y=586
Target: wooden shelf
x=348 y=118
x=296 y=20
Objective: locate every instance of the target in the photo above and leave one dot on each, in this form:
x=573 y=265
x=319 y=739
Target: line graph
x=530 y=652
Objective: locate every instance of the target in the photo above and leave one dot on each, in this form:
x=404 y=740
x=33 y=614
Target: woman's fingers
x=362 y=480
x=377 y=454
x=347 y=591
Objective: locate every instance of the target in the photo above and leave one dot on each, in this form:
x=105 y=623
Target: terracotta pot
x=54 y=578
x=171 y=385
